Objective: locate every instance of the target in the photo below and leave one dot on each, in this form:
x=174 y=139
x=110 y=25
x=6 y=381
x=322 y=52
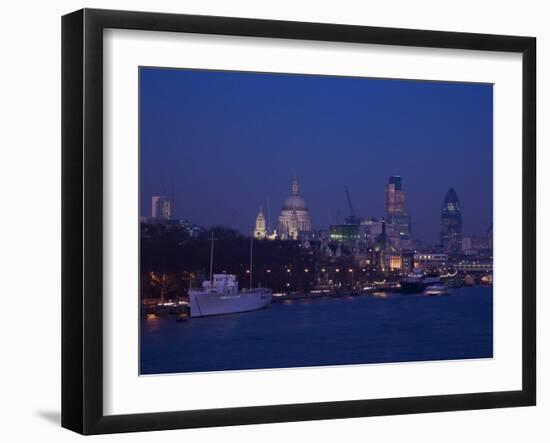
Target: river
x=325 y=331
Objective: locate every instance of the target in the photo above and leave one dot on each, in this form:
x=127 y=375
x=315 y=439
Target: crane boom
x=352 y=219
x=350 y=205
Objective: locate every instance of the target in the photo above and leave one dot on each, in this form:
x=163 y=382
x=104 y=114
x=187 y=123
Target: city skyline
x=220 y=172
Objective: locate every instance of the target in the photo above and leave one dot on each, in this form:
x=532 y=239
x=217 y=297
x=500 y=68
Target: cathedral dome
x=294 y=220
x=294 y=203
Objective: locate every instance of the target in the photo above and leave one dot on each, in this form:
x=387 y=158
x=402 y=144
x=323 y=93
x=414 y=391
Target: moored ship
x=417 y=282
x=221 y=295
x=413 y=283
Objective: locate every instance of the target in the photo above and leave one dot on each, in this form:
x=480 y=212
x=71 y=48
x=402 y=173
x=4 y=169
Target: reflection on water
x=379 y=328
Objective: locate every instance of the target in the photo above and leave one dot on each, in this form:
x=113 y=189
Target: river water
x=326 y=331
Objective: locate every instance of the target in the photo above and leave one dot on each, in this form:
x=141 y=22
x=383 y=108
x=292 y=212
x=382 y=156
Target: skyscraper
x=161 y=207
x=395 y=197
x=451 y=223
x=396 y=212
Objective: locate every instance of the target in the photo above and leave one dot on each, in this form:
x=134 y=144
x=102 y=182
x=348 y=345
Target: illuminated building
x=451 y=224
x=395 y=262
x=395 y=197
x=191 y=229
x=407 y=261
x=430 y=261
x=474 y=245
x=349 y=234
x=373 y=228
x=382 y=250
x=401 y=225
x=260 y=231
x=481 y=243
x=161 y=207
x=467 y=245
x=294 y=221
x=466 y=265
x=396 y=212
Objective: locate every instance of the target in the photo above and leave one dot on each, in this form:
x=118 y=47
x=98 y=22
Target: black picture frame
x=82 y=218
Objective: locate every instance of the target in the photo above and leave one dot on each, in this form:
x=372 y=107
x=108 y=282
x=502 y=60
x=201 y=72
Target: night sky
x=222 y=143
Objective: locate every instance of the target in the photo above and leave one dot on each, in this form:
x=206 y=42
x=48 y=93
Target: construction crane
x=352 y=219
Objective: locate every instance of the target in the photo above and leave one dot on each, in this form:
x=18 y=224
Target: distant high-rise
x=396 y=212
x=260 y=231
x=395 y=197
x=451 y=223
x=161 y=207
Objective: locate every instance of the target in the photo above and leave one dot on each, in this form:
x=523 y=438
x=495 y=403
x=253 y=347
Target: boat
x=413 y=283
x=221 y=295
x=436 y=289
x=417 y=282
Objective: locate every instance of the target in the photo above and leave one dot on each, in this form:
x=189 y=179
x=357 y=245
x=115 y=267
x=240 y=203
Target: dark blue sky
x=220 y=143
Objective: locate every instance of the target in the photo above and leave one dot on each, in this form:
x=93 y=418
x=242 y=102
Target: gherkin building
x=451 y=223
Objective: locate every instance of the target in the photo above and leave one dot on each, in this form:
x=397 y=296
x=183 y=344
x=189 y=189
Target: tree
x=164 y=282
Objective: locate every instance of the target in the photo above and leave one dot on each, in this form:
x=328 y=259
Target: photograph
x=298 y=220
x=275 y=222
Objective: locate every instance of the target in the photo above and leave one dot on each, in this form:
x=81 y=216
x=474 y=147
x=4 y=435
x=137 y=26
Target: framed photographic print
x=269 y=221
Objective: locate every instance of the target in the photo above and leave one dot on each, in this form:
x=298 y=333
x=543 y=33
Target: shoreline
x=180 y=310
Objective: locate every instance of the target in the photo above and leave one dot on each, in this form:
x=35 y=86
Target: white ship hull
x=203 y=303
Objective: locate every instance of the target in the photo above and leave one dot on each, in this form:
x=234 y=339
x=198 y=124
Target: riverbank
x=181 y=308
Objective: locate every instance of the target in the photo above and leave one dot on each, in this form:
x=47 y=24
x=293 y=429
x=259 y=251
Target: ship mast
x=211 y=257
x=251 y=244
